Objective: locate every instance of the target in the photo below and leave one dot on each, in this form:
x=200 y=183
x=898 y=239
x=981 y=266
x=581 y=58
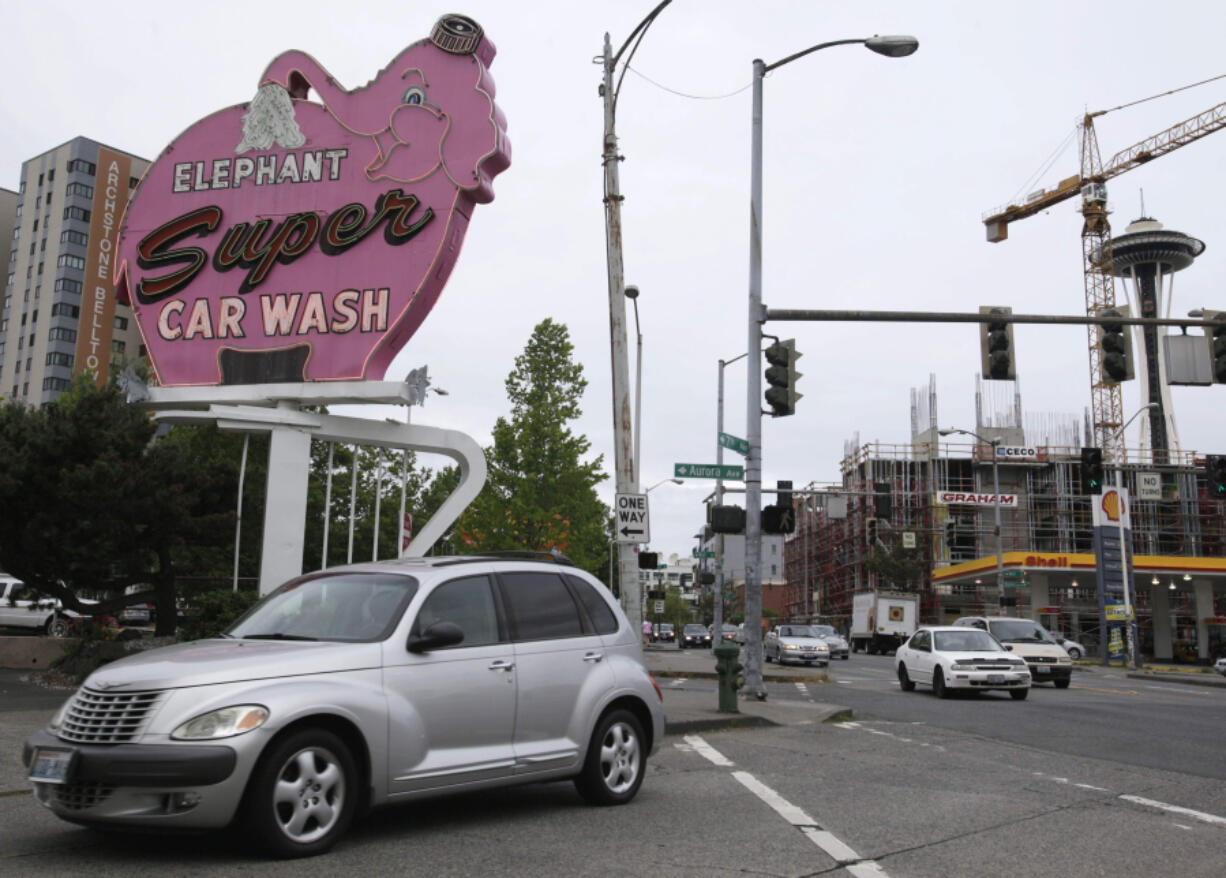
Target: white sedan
x=948 y=658
x=795 y=643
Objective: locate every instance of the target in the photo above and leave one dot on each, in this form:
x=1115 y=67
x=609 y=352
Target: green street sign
x=698 y=554
x=1013 y=574
x=709 y=471
x=737 y=444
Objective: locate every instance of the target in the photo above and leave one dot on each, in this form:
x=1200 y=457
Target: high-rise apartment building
x=56 y=318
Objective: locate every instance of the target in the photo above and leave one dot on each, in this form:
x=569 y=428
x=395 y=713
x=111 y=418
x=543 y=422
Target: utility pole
x=623 y=433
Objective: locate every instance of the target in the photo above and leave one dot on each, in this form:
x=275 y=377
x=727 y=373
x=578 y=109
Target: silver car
x=356 y=687
x=834 y=640
x=795 y=643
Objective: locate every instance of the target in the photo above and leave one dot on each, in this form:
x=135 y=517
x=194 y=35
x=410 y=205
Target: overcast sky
x=877 y=172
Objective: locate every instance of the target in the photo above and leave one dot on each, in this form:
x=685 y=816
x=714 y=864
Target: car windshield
x=971 y=640
x=695 y=629
x=1019 y=631
x=824 y=631
x=348 y=607
x=797 y=631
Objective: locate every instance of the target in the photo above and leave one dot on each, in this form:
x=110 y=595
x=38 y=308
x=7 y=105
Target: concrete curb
x=1181 y=679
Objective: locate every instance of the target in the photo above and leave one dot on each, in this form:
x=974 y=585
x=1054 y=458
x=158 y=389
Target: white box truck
x=882 y=620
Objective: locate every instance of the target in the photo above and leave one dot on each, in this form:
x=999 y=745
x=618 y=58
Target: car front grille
x=107 y=718
x=78 y=796
x=1042 y=660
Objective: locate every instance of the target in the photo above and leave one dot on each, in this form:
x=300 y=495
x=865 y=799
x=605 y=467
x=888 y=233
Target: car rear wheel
x=302 y=795
x=57 y=626
x=616 y=760
x=1019 y=694
x=904 y=680
x=938 y=683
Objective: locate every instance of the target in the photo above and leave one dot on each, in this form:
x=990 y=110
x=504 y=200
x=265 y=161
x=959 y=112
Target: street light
x=632 y=293
x=892 y=47
x=1133 y=653
x=1000 y=555
x=675 y=481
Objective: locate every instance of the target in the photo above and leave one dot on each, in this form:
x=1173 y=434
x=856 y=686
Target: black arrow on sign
x=627 y=531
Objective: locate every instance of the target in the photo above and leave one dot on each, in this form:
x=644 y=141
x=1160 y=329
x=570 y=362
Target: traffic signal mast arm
x=1147 y=150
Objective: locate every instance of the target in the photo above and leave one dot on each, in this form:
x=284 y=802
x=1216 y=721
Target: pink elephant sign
x=295 y=239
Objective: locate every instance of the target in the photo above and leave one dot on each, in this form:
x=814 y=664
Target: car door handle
x=502 y=665
x=593 y=656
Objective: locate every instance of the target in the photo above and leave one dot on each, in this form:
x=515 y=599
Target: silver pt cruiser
x=357 y=687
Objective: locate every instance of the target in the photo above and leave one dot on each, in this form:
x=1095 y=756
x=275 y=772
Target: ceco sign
x=289 y=240
x=1020 y=454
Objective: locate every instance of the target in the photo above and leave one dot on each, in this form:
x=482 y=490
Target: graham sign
x=306 y=235
x=1008 y=501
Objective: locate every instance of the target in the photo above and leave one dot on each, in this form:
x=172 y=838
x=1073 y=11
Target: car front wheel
x=616 y=761
x=938 y=683
x=302 y=795
x=1019 y=694
x=1074 y=654
x=904 y=680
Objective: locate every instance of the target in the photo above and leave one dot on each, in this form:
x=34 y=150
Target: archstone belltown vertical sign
x=306 y=235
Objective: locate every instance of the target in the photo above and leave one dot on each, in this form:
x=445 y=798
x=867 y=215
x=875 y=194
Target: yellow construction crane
x=1107 y=405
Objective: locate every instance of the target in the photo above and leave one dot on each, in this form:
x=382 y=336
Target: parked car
x=135 y=614
x=665 y=632
x=950 y=657
x=356 y=687
x=22 y=606
x=1220 y=665
x=727 y=632
x=834 y=640
x=695 y=635
x=1047 y=661
x=1074 y=649
x=795 y=643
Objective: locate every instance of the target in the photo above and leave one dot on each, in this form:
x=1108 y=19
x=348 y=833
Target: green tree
x=540 y=493
x=91 y=504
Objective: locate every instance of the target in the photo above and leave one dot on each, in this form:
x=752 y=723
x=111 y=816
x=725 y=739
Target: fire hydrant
x=730 y=677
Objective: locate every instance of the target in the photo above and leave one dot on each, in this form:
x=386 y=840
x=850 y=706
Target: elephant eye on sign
x=414 y=95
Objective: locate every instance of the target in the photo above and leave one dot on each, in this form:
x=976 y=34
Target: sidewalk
x=687 y=712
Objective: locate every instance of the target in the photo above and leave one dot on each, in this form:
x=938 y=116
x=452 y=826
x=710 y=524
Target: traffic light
x=778 y=519
x=648 y=560
x=781 y=375
x=706 y=579
x=882 y=505
x=727 y=520
x=1115 y=341
x=1215 y=475
x=996 y=345
x=1091 y=470
x=1217 y=346
x=783 y=492
x=870 y=531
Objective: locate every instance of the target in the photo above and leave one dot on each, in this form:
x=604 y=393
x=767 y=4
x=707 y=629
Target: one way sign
x=633 y=523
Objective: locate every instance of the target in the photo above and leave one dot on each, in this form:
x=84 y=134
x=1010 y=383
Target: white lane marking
x=780 y=805
x=825 y=840
x=1086 y=786
x=1176 y=809
x=704 y=749
x=1179 y=689
x=678 y=682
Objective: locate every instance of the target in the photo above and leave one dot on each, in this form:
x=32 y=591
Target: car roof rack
x=510 y=554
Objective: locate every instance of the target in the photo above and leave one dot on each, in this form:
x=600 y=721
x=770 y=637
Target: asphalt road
x=1112 y=776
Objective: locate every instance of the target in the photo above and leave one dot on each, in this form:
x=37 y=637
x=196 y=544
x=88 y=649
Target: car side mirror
x=437 y=636
x=1008 y=646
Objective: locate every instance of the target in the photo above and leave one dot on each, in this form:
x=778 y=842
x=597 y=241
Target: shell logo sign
x=1111 y=509
x=306 y=235
x=1111 y=505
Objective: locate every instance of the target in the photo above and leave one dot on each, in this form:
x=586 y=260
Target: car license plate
x=808 y=656
x=1042 y=670
x=51 y=766
x=996 y=678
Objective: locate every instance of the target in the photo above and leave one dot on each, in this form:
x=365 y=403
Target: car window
x=824 y=631
x=467 y=602
x=694 y=629
x=1019 y=631
x=359 y=607
x=966 y=641
x=920 y=641
x=540 y=607
x=597 y=609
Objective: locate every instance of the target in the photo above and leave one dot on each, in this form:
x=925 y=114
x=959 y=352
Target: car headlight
x=225 y=722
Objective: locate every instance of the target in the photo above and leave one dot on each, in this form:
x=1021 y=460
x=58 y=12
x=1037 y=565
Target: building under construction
x=921 y=517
